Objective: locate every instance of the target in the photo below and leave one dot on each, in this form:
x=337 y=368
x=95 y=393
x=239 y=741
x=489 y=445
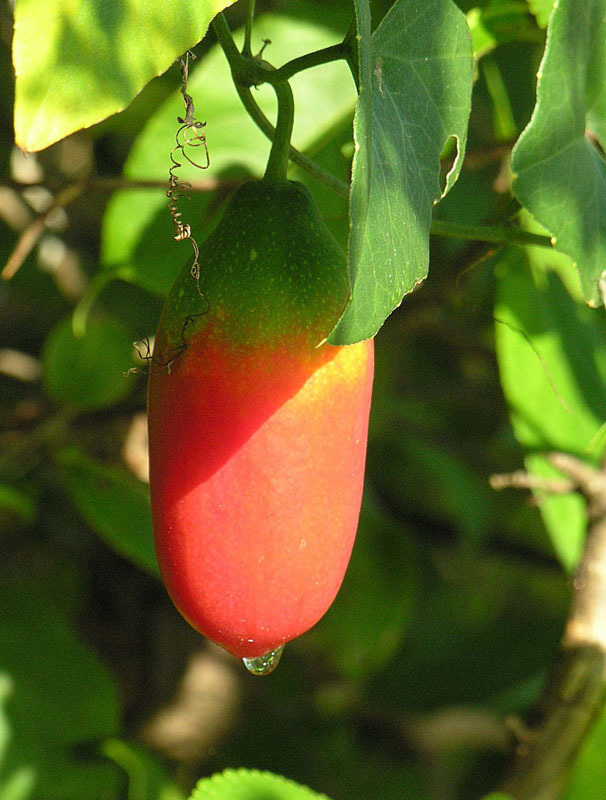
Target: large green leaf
x=245 y=784
x=63 y=698
x=420 y=97
x=552 y=362
x=552 y=359
x=360 y=191
x=560 y=172
x=114 y=503
x=79 y=61
x=137 y=228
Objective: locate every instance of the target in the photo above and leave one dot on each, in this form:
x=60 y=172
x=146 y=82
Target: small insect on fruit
x=258 y=428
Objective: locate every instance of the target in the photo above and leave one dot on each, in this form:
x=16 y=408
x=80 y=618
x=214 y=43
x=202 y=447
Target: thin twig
x=524 y=480
x=31 y=235
x=114 y=183
x=68 y=194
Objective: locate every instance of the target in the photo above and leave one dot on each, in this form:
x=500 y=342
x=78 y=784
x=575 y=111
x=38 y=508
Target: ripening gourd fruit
x=257 y=426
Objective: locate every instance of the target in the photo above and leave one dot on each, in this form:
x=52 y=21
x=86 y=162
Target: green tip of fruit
x=270 y=271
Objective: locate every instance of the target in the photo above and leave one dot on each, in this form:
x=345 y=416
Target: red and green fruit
x=257 y=426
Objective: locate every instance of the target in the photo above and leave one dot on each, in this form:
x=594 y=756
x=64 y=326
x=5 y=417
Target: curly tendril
x=191 y=134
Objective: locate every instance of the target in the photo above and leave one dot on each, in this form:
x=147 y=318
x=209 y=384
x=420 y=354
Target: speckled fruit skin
x=257 y=426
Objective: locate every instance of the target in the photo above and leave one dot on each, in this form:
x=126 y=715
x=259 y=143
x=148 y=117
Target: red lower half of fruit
x=255 y=513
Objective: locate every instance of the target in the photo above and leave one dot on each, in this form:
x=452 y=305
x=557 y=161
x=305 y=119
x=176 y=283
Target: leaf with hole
x=416 y=75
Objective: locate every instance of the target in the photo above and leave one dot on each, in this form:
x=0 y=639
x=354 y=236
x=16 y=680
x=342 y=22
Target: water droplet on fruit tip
x=263 y=665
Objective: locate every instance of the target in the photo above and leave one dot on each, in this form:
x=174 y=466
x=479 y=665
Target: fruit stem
x=277 y=163
x=339 y=187
x=247 y=72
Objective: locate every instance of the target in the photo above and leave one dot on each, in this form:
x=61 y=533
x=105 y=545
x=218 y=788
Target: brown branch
x=66 y=195
x=524 y=480
x=575 y=693
x=30 y=236
x=112 y=183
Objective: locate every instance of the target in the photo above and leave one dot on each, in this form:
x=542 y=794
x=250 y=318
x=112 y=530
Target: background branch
x=575 y=693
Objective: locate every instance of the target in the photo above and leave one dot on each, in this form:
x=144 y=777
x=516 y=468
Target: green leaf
x=552 y=359
x=17 y=502
x=371 y=614
x=588 y=776
x=420 y=95
x=483 y=39
x=498 y=796
x=498 y=22
x=148 y=778
x=552 y=363
x=19 y=785
x=125 y=525
x=63 y=697
x=564 y=515
x=137 y=227
x=243 y=784
x=88 y=371
x=79 y=61
x=541 y=10
x=560 y=173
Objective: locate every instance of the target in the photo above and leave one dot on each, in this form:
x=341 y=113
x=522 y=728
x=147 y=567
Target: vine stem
x=250 y=15
x=336 y=52
x=575 y=693
x=236 y=61
x=248 y=72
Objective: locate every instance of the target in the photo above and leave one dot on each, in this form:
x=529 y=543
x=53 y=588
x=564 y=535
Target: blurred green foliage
x=456 y=596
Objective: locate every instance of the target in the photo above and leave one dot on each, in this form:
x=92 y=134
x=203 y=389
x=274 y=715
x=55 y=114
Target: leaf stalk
x=498 y=234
